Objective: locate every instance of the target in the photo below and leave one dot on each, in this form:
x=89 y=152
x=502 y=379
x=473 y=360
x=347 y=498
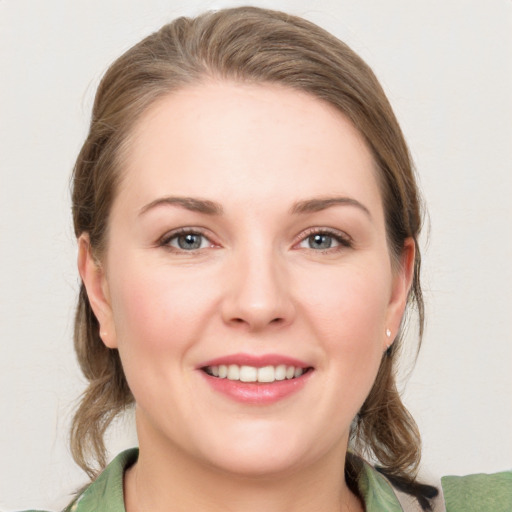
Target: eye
x=322 y=240
x=186 y=241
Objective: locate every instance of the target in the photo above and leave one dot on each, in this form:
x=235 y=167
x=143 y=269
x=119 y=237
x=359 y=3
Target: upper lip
x=258 y=361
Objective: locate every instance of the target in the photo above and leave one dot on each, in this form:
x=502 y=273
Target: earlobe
x=402 y=282
x=94 y=280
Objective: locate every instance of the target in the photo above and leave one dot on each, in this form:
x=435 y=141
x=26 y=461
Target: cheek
x=159 y=315
x=349 y=305
x=347 y=311
x=156 y=311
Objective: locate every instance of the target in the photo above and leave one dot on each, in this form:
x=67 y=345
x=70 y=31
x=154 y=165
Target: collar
x=106 y=492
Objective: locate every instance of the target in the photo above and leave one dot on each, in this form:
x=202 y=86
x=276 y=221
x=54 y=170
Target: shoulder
x=471 y=493
x=106 y=492
x=479 y=492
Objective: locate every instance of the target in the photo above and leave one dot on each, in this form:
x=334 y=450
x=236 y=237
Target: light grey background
x=447 y=68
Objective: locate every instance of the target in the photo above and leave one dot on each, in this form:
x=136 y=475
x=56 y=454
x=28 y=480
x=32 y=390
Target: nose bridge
x=258 y=292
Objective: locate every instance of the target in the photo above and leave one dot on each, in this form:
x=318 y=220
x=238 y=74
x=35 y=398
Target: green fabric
x=376 y=491
x=473 y=493
x=478 y=493
x=106 y=493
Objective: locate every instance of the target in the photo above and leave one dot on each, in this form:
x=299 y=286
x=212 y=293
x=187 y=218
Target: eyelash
x=168 y=237
x=344 y=241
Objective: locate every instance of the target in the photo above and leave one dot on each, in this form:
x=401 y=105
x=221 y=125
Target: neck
x=168 y=479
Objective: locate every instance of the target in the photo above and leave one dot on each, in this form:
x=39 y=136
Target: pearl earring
x=388 y=346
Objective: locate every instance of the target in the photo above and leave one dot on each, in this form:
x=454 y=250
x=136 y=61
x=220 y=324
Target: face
x=247 y=281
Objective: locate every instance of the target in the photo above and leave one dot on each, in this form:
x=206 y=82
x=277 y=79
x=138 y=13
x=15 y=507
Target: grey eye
x=188 y=241
x=320 y=241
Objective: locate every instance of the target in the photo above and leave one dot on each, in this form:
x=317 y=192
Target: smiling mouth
x=265 y=374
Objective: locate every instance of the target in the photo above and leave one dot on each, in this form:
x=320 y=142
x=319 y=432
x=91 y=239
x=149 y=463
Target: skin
x=258 y=284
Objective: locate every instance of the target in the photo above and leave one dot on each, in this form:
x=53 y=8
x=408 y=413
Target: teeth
x=233 y=372
x=253 y=374
x=266 y=374
x=280 y=373
x=248 y=374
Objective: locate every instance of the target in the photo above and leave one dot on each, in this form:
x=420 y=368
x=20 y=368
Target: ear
x=95 y=282
x=402 y=280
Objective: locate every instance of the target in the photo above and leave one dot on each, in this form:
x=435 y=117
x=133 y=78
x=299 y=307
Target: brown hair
x=261 y=46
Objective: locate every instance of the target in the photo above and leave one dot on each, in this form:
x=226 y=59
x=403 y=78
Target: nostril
x=240 y=321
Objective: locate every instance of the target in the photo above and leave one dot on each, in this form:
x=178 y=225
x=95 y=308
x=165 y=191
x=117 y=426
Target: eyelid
x=165 y=239
x=344 y=239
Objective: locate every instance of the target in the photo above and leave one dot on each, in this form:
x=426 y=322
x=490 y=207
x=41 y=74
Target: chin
x=258 y=452
x=261 y=465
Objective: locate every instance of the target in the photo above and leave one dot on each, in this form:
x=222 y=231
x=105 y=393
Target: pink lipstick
x=256 y=379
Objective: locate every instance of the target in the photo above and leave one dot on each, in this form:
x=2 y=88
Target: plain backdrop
x=447 y=68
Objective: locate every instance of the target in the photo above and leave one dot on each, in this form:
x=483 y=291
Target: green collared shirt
x=106 y=493
x=473 y=493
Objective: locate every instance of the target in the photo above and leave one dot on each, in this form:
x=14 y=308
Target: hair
x=254 y=45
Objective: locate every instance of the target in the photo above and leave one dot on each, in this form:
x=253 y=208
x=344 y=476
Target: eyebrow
x=322 y=203
x=189 y=203
x=212 y=208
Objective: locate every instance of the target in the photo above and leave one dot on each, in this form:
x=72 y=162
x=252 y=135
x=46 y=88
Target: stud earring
x=388 y=346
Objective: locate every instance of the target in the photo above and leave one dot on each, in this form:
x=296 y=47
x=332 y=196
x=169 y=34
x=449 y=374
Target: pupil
x=189 y=241
x=320 y=242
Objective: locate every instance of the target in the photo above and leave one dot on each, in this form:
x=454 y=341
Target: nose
x=257 y=292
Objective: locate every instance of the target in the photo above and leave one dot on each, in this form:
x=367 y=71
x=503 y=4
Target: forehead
x=246 y=142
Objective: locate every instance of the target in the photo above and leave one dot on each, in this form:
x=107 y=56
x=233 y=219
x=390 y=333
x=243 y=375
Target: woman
x=247 y=219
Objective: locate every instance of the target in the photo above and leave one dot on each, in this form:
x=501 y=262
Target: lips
x=256 y=379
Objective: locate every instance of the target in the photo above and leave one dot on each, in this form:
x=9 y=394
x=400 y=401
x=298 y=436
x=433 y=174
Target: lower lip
x=258 y=393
